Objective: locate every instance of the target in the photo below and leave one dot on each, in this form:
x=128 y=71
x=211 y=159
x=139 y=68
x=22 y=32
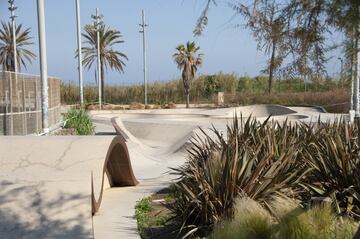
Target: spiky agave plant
x=334 y=158
x=254 y=160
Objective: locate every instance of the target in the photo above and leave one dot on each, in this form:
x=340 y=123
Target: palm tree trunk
x=271 y=67
x=187 y=100
x=102 y=81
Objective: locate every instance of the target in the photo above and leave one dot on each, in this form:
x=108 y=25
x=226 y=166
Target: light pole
x=79 y=53
x=97 y=24
x=12 y=9
x=143 y=26
x=357 y=75
x=43 y=66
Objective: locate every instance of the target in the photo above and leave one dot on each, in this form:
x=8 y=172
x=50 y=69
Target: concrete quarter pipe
x=51 y=186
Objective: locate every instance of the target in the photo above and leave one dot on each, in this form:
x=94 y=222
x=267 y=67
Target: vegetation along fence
x=20 y=103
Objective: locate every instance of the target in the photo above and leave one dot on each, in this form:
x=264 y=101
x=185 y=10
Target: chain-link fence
x=20 y=103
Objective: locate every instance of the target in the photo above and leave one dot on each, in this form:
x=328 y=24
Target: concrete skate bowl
x=166 y=136
x=159 y=115
x=51 y=186
x=258 y=111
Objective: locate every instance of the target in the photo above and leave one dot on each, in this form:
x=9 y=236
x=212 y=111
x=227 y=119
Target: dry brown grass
x=238 y=91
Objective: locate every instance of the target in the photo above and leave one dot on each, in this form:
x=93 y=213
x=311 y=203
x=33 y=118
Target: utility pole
x=43 y=66
x=97 y=24
x=143 y=26
x=80 y=67
x=341 y=72
x=12 y=9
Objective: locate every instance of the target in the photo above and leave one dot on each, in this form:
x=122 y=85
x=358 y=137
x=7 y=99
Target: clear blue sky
x=170 y=22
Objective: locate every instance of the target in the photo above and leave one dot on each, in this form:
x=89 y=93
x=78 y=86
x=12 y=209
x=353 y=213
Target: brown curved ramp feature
x=118 y=129
x=117 y=168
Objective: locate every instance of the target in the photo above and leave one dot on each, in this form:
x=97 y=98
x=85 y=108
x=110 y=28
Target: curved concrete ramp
x=257 y=111
x=50 y=186
x=164 y=137
x=117 y=169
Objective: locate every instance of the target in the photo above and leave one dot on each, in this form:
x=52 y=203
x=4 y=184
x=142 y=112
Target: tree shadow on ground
x=25 y=212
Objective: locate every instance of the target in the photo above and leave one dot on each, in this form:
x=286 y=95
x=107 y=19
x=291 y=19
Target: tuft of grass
x=253 y=221
x=80 y=121
x=142 y=210
x=162 y=220
x=169 y=199
x=318 y=223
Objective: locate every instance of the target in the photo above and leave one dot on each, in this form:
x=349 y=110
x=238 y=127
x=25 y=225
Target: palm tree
x=109 y=58
x=23 y=40
x=188 y=60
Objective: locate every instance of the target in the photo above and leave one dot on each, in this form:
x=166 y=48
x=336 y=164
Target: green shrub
x=334 y=159
x=80 y=121
x=142 y=209
x=254 y=160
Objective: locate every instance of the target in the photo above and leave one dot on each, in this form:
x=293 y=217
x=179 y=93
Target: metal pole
x=143 y=26
x=43 y=66
x=80 y=67
x=357 y=81
x=352 y=88
x=11 y=123
x=12 y=9
x=97 y=24
x=353 y=70
x=341 y=72
x=24 y=107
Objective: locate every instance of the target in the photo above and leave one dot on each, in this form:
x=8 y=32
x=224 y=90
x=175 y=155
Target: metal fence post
x=36 y=106
x=11 y=123
x=24 y=107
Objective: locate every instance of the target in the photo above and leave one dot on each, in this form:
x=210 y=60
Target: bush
x=259 y=161
x=255 y=160
x=80 y=121
x=334 y=159
x=142 y=209
x=253 y=221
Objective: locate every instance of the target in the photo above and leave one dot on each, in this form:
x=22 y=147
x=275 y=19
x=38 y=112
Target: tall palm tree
x=23 y=40
x=188 y=60
x=109 y=58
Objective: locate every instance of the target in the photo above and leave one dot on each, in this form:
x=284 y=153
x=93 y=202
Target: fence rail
x=20 y=103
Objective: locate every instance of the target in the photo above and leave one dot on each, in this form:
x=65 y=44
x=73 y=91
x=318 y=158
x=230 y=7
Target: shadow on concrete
x=105 y=133
x=36 y=216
